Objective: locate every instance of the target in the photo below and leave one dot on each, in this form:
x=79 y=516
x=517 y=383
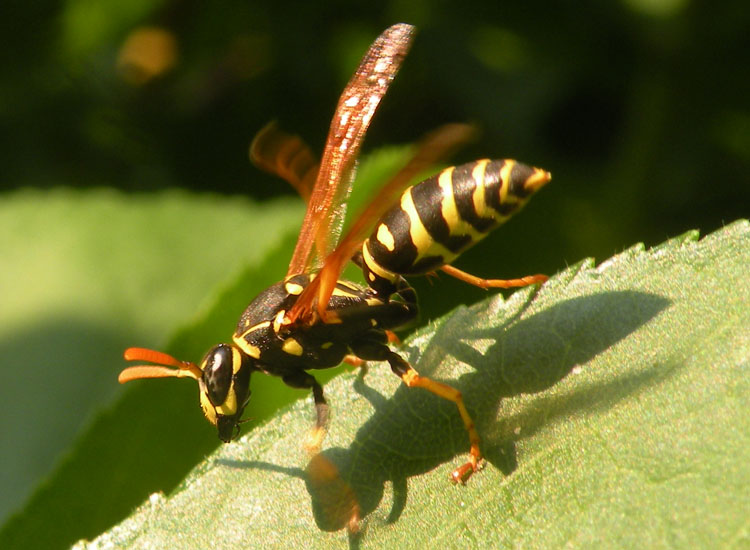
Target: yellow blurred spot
x=146 y=53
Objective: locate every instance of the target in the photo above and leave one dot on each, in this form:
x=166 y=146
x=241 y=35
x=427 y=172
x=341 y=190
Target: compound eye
x=217 y=374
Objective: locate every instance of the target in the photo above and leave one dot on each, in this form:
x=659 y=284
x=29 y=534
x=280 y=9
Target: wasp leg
x=408 y=295
x=375 y=350
x=492 y=283
x=393 y=337
x=304 y=380
x=414 y=380
x=358 y=363
x=354 y=361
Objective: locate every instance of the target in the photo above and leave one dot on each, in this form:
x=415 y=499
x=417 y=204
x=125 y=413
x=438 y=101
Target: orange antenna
x=167 y=366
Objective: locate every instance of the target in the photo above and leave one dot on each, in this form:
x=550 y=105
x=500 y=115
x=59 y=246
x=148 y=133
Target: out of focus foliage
x=639 y=107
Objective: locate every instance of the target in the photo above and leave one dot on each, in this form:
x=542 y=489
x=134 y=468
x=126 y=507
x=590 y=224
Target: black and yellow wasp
x=312 y=319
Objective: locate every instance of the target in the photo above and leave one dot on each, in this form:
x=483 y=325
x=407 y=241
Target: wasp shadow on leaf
x=414 y=431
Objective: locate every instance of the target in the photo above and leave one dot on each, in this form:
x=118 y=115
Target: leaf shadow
x=414 y=432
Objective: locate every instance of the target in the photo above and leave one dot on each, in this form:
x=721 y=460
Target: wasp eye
x=217 y=373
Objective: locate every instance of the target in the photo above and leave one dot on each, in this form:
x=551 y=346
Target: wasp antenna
x=152 y=356
x=160 y=370
x=140 y=372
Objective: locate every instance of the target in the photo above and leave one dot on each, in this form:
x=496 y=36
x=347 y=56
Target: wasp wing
x=352 y=117
x=286 y=156
x=435 y=147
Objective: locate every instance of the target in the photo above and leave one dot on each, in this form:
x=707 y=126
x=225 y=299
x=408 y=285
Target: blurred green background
x=639 y=108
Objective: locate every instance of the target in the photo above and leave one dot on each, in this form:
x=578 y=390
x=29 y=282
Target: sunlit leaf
x=612 y=405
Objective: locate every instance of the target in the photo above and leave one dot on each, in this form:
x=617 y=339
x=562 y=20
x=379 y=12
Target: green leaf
x=88 y=274
x=612 y=405
x=85 y=274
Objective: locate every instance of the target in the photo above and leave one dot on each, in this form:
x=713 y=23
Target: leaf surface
x=84 y=275
x=612 y=404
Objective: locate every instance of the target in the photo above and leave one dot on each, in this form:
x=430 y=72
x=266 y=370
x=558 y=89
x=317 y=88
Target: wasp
x=313 y=319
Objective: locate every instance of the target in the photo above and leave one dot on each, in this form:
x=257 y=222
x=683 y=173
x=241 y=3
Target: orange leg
x=354 y=361
x=412 y=379
x=492 y=283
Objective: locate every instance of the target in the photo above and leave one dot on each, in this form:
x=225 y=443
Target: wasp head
x=223 y=377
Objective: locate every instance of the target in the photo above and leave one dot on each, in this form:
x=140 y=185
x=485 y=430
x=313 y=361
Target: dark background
x=638 y=108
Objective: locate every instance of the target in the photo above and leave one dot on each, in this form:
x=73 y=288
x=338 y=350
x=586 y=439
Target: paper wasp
x=312 y=319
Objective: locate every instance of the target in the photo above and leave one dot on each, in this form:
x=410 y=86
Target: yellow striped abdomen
x=439 y=218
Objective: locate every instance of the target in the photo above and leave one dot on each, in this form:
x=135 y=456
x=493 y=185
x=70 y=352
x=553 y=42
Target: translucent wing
x=286 y=156
x=354 y=111
x=435 y=147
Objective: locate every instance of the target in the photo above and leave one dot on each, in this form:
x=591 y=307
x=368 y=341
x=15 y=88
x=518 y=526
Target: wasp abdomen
x=439 y=218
